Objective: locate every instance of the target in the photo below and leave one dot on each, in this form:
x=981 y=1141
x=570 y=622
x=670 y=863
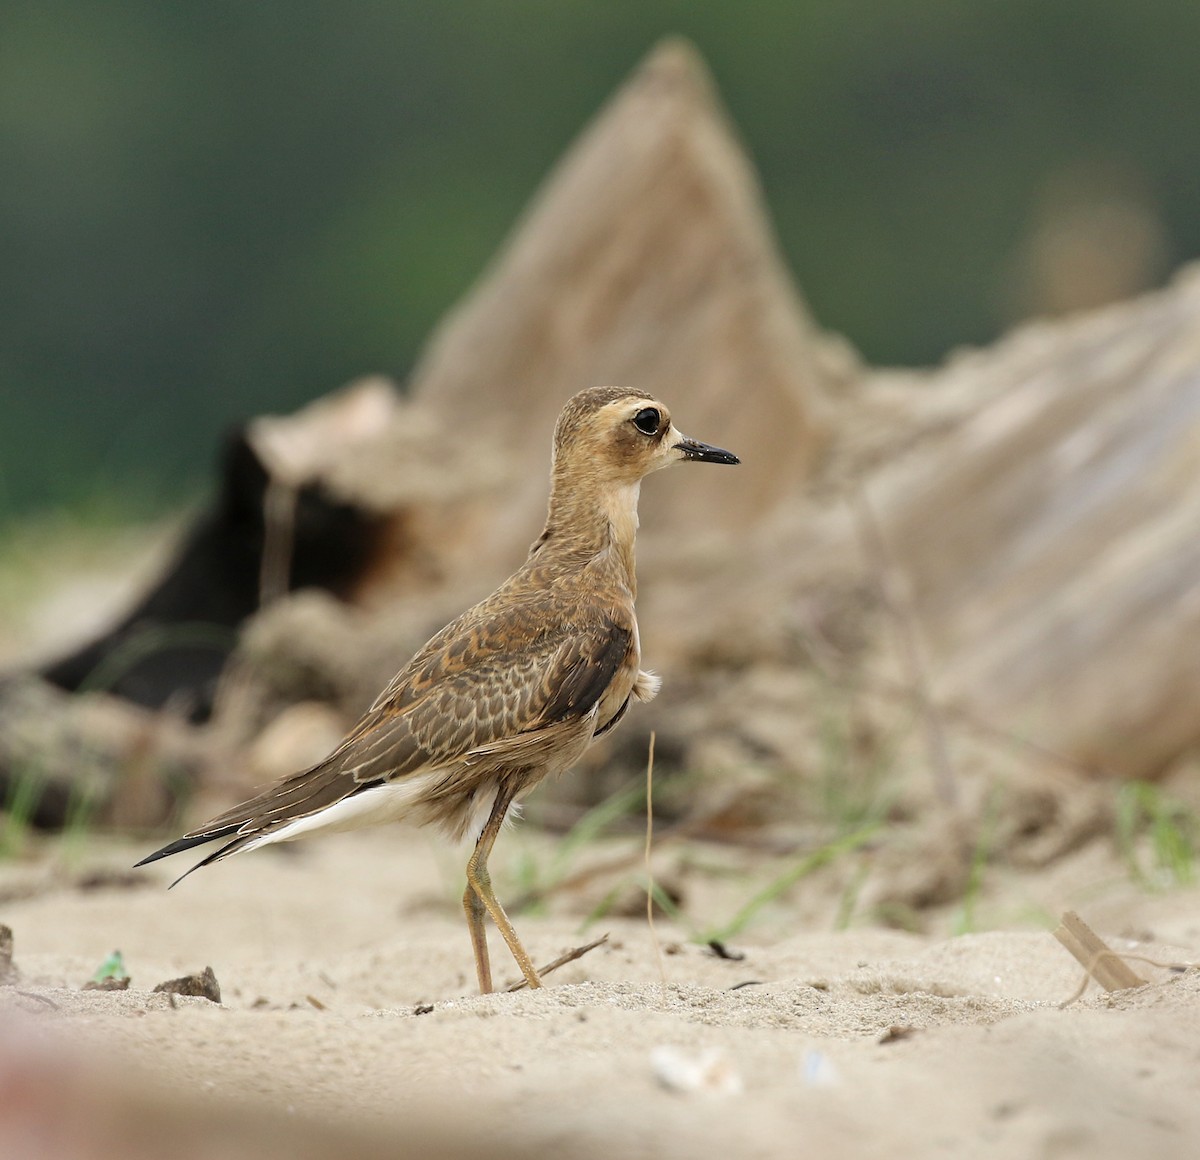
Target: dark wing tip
x=187 y=842
x=215 y=856
x=587 y=670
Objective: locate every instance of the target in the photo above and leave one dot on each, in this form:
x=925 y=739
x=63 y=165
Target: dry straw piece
x=1100 y=961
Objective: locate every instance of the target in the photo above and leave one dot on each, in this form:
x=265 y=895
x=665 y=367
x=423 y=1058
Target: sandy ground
x=860 y=1042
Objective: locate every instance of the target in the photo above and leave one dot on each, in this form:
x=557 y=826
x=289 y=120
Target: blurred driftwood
x=647 y=258
x=1052 y=541
x=1039 y=499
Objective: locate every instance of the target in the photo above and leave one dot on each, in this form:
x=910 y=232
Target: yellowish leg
x=480 y=896
x=475 y=910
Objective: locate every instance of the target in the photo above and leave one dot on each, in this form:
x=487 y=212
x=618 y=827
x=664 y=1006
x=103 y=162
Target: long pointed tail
x=190 y=841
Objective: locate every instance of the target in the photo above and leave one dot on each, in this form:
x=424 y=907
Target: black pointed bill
x=705 y=452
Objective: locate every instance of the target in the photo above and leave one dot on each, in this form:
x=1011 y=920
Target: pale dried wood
x=1095 y=955
x=1051 y=538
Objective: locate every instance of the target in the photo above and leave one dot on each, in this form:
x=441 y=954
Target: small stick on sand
x=1100 y=961
x=562 y=960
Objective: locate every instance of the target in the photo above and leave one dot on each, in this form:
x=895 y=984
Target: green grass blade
x=822 y=856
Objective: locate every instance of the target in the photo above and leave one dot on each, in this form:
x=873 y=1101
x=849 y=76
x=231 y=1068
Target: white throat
x=620 y=505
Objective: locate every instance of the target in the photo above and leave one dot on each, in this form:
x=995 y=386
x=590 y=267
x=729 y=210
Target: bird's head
x=621 y=435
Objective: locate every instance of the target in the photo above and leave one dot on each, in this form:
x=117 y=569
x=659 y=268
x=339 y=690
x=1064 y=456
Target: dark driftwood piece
x=173 y=645
x=123 y=754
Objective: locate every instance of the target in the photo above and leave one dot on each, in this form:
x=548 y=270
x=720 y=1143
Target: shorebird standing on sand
x=512 y=691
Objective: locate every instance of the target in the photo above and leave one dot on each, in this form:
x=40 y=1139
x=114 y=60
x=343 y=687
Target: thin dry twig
x=562 y=960
x=43 y=999
x=279 y=528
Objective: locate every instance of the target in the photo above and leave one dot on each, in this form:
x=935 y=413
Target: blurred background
x=929 y=654
x=213 y=211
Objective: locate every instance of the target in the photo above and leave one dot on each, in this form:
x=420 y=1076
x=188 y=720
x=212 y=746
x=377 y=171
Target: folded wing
x=482 y=694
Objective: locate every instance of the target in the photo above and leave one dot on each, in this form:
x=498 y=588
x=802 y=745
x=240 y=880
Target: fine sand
x=348 y=1023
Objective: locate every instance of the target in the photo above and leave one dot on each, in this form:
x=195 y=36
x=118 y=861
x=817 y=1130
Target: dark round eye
x=647 y=420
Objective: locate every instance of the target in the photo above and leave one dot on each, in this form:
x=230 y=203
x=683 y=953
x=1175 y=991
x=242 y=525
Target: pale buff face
x=625 y=438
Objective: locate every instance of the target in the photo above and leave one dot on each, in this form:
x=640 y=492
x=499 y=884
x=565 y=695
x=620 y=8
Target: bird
x=512 y=691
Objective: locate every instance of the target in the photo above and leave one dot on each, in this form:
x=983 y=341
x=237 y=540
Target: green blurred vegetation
x=213 y=210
